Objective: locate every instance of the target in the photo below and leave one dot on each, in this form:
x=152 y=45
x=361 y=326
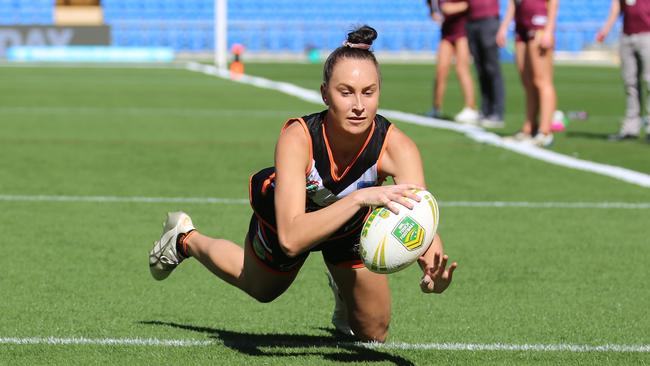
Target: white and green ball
x=391 y=242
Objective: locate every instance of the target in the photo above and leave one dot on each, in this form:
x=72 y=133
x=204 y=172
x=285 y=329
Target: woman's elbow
x=288 y=247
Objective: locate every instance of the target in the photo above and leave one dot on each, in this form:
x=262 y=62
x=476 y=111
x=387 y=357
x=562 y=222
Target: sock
x=181 y=244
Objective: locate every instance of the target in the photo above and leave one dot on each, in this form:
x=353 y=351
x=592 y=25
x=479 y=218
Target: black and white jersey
x=323 y=186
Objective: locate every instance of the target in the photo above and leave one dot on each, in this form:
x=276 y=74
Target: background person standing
x=534 y=44
x=453 y=44
x=482 y=27
x=635 y=60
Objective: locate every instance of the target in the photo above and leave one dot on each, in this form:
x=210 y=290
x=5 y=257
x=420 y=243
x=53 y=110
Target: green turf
x=71 y=269
x=597 y=90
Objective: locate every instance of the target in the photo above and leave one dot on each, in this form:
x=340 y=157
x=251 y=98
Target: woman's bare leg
x=445 y=53
x=532 y=98
x=541 y=61
x=239 y=267
x=367 y=298
x=462 y=71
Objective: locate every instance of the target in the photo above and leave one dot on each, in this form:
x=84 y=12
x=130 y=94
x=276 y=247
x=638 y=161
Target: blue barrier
x=291 y=25
x=90 y=54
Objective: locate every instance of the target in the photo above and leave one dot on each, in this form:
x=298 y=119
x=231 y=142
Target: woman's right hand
x=389 y=196
x=501 y=37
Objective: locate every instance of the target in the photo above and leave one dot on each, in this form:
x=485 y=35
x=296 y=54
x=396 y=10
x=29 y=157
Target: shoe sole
x=160 y=270
x=493 y=125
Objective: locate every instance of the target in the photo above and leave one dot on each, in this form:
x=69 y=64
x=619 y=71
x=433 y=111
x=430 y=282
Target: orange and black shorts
x=263 y=239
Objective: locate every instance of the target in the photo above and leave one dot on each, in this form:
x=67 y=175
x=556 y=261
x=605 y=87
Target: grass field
x=77 y=269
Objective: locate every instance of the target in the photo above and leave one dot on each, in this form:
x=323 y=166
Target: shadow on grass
x=334 y=347
x=588 y=135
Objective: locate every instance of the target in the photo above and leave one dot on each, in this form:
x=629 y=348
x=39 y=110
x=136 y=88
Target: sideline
x=242 y=201
x=560 y=347
x=473 y=132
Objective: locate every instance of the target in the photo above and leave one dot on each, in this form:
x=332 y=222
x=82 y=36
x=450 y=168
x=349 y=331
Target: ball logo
x=409 y=233
x=383 y=213
x=434 y=208
x=379 y=258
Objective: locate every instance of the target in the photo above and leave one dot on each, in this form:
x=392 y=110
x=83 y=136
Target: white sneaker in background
x=492 y=122
x=163 y=257
x=340 y=315
x=542 y=139
x=519 y=137
x=468 y=116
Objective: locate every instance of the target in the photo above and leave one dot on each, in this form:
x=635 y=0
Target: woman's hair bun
x=364 y=34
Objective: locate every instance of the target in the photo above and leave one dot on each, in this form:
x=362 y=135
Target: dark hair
x=363 y=36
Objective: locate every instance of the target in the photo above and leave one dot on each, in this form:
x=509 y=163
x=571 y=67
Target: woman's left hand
x=437 y=277
x=546 y=40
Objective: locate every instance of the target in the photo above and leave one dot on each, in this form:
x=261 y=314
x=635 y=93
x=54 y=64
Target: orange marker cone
x=236 y=66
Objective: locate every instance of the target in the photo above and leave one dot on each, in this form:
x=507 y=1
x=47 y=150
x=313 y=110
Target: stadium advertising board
x=40 y=35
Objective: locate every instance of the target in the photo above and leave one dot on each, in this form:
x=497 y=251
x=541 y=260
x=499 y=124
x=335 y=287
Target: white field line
x=562 y=347
x=473 y=132
x=123 y=199
x=143 y=111
x=92 y=65
x=106 y=341
x=242 y=201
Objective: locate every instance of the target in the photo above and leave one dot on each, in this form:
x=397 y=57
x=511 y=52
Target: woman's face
x=352 y=94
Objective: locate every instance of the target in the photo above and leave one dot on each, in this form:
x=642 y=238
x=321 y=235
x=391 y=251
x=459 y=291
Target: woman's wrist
x=357 y=201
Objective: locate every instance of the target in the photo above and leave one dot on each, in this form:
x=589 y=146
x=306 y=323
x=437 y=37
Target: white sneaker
x=542 y=140
x=340 y=315
x=163 y=257
x=468 y=116
x=492 y=122
x=519 y=137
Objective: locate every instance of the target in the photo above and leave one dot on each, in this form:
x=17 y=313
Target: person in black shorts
x=328 y=174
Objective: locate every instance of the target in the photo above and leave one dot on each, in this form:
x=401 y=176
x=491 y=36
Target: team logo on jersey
x=630 y=2
x=312 y=186
x=365 y=184
x=539 y=20
x=409 y=233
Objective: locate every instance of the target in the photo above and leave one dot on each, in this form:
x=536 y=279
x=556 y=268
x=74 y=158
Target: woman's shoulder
x=309 y=122
x=400 y=154
x=294 y=130
x=399 y=142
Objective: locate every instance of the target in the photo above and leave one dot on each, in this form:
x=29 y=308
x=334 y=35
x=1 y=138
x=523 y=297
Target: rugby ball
x=391 y=242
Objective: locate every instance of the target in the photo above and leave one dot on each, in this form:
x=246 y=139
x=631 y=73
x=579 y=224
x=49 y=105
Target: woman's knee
x=442 y=72
x=527 y=82
x=264 y=291
x=371 y=327
x=377 y=333
x=542 y=82
x=462 y=69
x=544 y=86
